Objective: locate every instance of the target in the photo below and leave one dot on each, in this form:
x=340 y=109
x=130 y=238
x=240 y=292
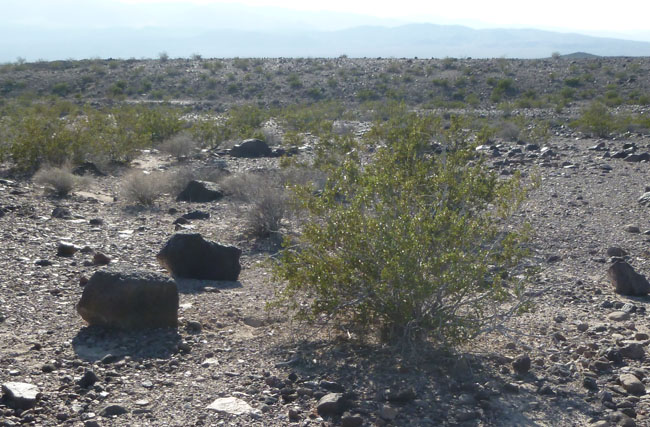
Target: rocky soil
x=578 y=358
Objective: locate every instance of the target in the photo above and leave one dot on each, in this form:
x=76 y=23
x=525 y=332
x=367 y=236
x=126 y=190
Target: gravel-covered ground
x=228 y=346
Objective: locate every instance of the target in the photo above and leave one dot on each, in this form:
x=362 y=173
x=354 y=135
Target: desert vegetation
x=423 y=241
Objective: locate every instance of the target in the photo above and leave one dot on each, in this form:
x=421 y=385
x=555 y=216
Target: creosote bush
x=412 y=243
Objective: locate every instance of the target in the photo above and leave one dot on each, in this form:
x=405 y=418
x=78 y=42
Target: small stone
x=232 y=406
x=558 y=336
x=44 y=262
x=20 y=395
x=632 y=350
x=626 y=281
x=96 y=222
x=582 y=327
x=348 y=420
x=294 y=415
x=618 y=316
x=88 y=379
x=402 y=396
x=61 y=213
x=194 y=327
x=632 y=384
x=332 y=386
x=388 y=413
x=331 y=404
x=113 y=410
x=590 y=384
x=101 y=259
x=47 y=368
x=630 y=228
x=65 y=249
x=466 y=415
x=615 y=251
x=197 y=215
x=521 y=364
x=253 y=322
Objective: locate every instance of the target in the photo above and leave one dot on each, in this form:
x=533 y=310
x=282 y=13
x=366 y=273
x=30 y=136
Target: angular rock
x=644 y=199
x=332 y=404
x=632 y=350
x=89 y=378
x=61 y=213
x=618 y=316
x=521 y=364
x=631 y=228
x=200 y=192
x=232 y=406
x=197 y=215
x=112 y=410
x=616 y=251
x=626 y=281
x=20 y=395
x=632 y=384
x=129 y=300
x=251 y=148
x=192 y=257
x=101 y=259
x=349 y=420
x=388 y=413
x=66 y=249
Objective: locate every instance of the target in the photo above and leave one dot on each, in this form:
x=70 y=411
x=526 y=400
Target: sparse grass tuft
x=179 y=146
x=144 y=189
x=57 y=180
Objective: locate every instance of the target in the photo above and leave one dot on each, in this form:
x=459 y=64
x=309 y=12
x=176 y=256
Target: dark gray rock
x=61 y=213
x=615 y=251
x=20 y=395
x=521 y=364
x=332 y=404
x=65 y=249
x=197 y=215
x=112 y=410
x=129 y=300
x=200 y=192
x=192 y=257
x=626 y=281
x=251 y=148
x=87 y=380
x=632 y=350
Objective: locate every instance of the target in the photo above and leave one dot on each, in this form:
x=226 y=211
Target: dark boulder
x=193 y=257
x=250 y=148
x=200 y=192
x=627 y=281
x=129 y=300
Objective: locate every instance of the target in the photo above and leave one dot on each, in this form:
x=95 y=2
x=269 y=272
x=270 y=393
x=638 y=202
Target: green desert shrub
x=597 y=120
x=412 y=243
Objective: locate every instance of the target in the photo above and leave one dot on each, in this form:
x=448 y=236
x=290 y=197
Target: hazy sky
x=606 y=16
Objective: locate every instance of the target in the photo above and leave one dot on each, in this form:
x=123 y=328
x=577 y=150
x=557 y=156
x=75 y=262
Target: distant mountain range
x=125 y=31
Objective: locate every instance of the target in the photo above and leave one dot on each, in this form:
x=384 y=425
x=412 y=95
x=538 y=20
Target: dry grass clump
x=179 y=146
x=265 y=198
x=57 y=180
x=144 y=188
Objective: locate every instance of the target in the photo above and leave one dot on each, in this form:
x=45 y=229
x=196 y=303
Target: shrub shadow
x=427 y=386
